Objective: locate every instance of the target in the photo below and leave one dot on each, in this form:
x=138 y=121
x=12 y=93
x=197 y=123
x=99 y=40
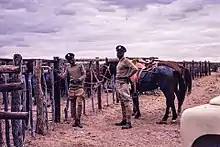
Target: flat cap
x=120 y=48
x=69 y=55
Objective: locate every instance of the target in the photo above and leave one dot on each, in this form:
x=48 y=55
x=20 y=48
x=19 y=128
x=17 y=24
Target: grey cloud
x=105 y=9
x=42 y=28
x=74 y=26
x=29 y=5
x=65 y=9
x=22 y=45
x=65 y=12
x=16 y=27
x=137 y=3
x=10 y=40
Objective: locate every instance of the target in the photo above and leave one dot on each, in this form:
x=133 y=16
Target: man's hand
x=76 y=81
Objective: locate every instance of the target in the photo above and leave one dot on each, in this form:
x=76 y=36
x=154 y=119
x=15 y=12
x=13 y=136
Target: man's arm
x=83 y=71
x=133 y=68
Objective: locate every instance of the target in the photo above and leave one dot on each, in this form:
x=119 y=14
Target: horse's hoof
x=137 y=116
x=133 y=114
x=162 y=122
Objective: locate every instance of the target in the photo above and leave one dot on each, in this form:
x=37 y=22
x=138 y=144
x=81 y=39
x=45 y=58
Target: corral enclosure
x=47 y=113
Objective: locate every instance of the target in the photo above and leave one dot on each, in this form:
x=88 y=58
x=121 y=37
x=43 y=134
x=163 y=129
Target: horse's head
x=109 y=69
x=17 y=59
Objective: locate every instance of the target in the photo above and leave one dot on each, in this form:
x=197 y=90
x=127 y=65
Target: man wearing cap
x=125 y=69
x=76 y=74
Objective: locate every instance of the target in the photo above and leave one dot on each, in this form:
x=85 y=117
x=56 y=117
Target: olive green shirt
x=76 y=72
x=124 y=68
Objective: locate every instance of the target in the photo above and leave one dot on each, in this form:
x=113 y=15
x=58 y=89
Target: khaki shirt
x=76 y=72
x=124 y=68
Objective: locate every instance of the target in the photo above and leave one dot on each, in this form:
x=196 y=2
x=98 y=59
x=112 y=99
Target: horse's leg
x=134 y=105
x=174 y=118
x=137 y=108
x=166 y=115
x=117 y=99
x=169 y=96
x=173 y=108
x=88 y=93
x=178 y=95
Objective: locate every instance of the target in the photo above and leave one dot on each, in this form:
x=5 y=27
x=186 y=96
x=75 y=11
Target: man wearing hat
x=125 y=69
x=76 y=74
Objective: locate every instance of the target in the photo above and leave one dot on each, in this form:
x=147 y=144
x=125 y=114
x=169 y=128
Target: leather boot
x=123 y=122
x=77 y=124
x=127 y=125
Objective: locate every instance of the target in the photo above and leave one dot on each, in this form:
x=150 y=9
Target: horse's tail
x=182 y=87
x=188 y=80
x=185 y=84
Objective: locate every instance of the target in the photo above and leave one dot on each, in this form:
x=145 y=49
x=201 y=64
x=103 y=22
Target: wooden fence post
x=99 y=93
x=52 y=91
x=197 y=69
x=200 y=69
x=193 y=70
x=30 y=103
x=15 y=104
x=209 y=69
x=7 y=125
x=202 y=65
x=190 y=69
x=57 y=95
x=206 y=69
x=24 y=108
x=41 y=123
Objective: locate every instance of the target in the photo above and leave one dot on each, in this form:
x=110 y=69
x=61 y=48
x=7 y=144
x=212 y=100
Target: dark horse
x=170 y=81
x=109 y=70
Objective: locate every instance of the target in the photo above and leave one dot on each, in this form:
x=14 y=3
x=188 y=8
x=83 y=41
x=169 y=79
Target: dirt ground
x=99 y=129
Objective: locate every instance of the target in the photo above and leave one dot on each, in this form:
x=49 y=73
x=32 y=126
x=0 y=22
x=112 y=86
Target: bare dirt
x=99 y=129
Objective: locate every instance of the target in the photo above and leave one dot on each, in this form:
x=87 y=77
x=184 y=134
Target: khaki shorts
x=78 y=94
x=124 y=93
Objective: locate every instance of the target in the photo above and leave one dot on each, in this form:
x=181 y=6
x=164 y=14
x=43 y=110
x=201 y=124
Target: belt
x=121 y=78
x=76 y=82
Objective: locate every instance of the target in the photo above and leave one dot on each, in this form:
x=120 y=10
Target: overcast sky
x=169 y=29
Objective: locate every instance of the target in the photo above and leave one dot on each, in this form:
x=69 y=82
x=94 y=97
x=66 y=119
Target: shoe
x=77 y=124
x=127 y=125
x=123 y=122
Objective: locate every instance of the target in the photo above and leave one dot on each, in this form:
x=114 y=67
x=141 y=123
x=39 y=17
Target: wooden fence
x=13 y=85
x=198 y=69
x=32 y=72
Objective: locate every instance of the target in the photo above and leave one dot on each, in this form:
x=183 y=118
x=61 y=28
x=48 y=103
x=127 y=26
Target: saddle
x=144 y=80
x=174 y=65
x=151 y=65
